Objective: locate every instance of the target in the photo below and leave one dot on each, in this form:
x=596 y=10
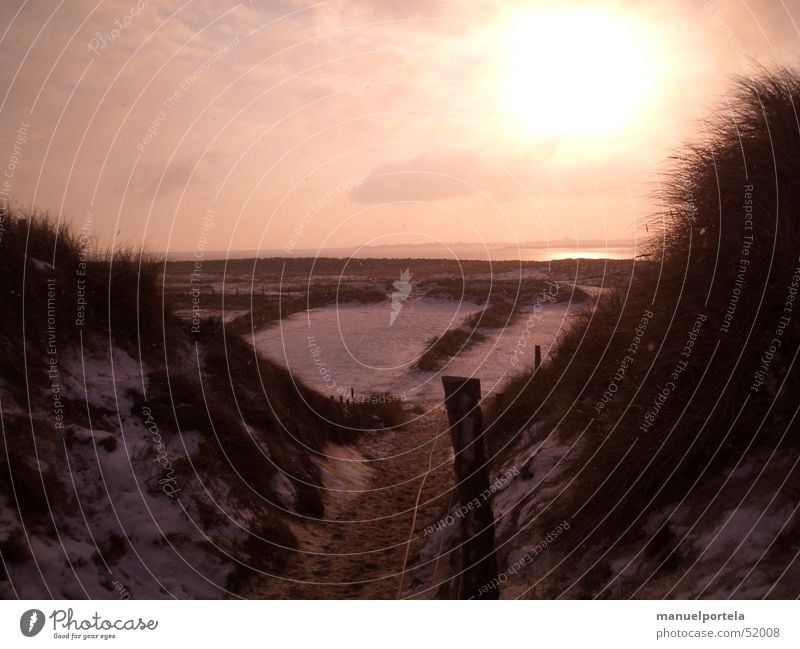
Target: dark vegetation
x=123 y=300
x=495 y=316
x=712 y=376
x=499 y=314
x=520 y=291
x=441 y=348
x=39 y=291
x=254 y=419
x=452 y=342
x=295 y=270
x=259 y=284
x=270 y=289
x=316 y=296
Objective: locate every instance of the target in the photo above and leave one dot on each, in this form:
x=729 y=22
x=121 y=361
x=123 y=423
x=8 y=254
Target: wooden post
x=479 y=564
x=537 y=357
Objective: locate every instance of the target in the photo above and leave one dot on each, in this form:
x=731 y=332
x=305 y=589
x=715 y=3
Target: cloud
x=422 y=69
x=190 y=172
x=407 y=9
x=436 y=175
x=458 y=173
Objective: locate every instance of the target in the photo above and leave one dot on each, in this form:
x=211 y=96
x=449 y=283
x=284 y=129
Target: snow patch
x=344 y=469
x=38 y=264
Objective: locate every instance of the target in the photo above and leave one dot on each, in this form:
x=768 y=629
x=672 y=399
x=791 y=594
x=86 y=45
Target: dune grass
x=497 y=315
x=665 y=380
x=63 y=297
x=441 y=348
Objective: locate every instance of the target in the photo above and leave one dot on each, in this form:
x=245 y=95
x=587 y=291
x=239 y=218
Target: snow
x=226 y=315
x=43 y=266
x=119 y=523
x=594 y=291
x=540 y=465
x=723 y=539
x=344 y=469
x=727 y=543
x=101 y=383
x=334 y=349
x=285 y=492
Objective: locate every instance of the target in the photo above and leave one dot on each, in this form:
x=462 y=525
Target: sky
x=212 y=125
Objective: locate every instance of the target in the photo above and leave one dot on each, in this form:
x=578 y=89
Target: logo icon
x=402 y=291
x=31 y=622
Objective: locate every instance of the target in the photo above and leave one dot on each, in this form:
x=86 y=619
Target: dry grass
x=120 y=287
x=627 y=471
x=253 y=418
x=264 y=312
x=441 y=348
x=495 y=316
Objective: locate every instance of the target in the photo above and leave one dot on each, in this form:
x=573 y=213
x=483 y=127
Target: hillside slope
x=140 y=458
x=657 y=450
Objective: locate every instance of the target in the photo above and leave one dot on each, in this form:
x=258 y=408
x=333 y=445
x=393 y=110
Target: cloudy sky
x=297 y=124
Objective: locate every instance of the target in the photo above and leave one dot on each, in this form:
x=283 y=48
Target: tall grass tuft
x=691 y=366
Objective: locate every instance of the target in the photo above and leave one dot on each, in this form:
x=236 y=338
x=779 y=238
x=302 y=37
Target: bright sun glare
x=574 y=71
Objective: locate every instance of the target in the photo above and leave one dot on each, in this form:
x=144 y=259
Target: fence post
x=479 y=564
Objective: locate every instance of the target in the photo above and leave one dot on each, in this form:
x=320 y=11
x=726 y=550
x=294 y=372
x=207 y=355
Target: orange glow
x=579 y=70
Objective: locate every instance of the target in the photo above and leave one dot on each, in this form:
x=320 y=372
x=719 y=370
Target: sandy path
x=358 y=552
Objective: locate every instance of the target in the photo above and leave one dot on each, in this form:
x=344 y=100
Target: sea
x=530 y=251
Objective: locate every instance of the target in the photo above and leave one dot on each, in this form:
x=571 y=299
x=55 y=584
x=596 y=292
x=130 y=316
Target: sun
x=575 y=71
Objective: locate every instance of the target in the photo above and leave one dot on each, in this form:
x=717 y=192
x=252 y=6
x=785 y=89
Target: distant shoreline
x=528 y=251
